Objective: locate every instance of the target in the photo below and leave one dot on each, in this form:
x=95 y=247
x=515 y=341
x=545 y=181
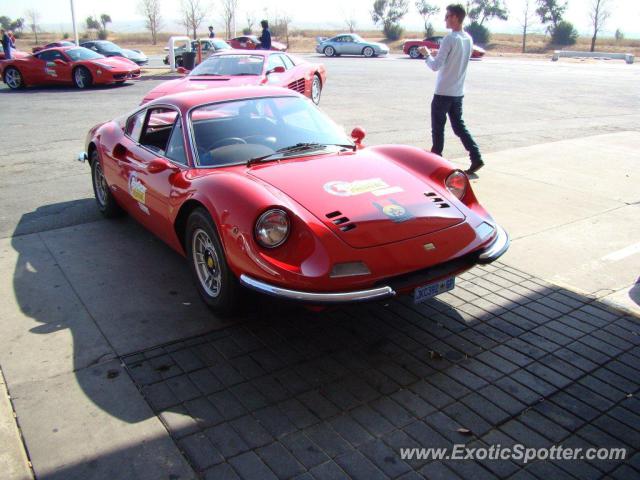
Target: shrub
x=392 y=31
x=65 y=35
x=619 y=35
x=564 y=34
x=479 y=33
x=103 y=34
x=430 y=31
x=247 y=31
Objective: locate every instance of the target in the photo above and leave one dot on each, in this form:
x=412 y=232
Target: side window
x=175 y=148
x=275 y=61
x=134 y=125
x=288 y=63
x=157 y=129
x=50 y=55
x=347 y=38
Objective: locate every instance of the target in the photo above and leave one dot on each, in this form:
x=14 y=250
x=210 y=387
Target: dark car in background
x=208 y=45
x=110 y=49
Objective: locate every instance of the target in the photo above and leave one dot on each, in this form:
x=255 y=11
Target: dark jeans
x=441 y=106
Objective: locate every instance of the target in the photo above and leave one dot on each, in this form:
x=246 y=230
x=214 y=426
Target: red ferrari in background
x=257 y=187
x=67 y=65
x=410 y=47
x=251 y=42
x=61 y=43
x=237 y=68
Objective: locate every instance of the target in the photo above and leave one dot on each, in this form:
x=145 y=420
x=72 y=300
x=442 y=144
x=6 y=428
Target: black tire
x=316 y=83
x=368 y=52
x=104 y=198
x=81 y=77
x=329 y=51
x=414 y=53
x=223 y=298
x=13 y=78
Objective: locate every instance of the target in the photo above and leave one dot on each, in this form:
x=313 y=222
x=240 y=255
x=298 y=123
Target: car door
x=279 y=79
x=340 y=44
x=48 y=71
x=148 y=194
x=351 y=46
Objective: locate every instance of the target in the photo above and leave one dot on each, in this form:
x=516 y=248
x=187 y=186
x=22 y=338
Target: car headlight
x=457 y=184
x=272 y=228
x=105 y=66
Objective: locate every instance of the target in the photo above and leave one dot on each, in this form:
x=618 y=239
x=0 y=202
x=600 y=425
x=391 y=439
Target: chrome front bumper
x=499 y=245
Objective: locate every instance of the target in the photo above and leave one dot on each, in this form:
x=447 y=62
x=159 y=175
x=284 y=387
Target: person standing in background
x=265 y=38
x=451 y=64
x=212 y=34
x=7 y=44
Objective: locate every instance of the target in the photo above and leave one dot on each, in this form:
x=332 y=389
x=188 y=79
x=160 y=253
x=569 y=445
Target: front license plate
x=426 y=292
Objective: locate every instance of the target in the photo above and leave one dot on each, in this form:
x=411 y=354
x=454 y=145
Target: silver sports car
x=350 y=44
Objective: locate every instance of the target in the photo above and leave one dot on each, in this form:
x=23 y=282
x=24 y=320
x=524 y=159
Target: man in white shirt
x=451 y=64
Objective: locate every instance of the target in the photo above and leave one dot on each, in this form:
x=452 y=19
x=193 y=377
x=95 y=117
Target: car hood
x=117 y=62
x=133 y=55
x=189 y=84
x=366 y=207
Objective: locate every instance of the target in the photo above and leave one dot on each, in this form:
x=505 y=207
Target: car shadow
x=64 y=88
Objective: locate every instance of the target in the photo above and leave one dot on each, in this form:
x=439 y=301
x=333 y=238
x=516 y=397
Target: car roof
x=187 y=100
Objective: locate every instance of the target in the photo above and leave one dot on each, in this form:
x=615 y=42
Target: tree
x=564 y=34
x=481 y=10
x=17 y=25
x=550 y=11
x=193 y=13
x=426 y=11
x=251 y=21
x=5 y=22
x=229 y=8
x=350 y=20
x=389 y=13
x=281 y=27
x=92 y=23
x=33 y=17
x=598 y=14
x=526 y=20
x=150 y=9
x=619 y=35
x=104 y=19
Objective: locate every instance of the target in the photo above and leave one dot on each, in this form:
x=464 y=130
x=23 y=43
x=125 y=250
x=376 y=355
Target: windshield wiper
x=298 y=147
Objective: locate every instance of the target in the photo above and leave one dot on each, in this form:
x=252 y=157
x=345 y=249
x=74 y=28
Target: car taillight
x=457 y=184
x=272 y=228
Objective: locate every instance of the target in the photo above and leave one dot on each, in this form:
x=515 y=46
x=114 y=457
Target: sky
x=56 y=14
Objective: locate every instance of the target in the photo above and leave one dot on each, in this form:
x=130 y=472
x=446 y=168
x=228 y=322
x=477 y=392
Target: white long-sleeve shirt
x=451 y=63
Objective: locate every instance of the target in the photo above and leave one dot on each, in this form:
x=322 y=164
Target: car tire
x=329 y=51
x=13 y=78
x=414 y=52
x=104 y=198
x=82 y=78
x=316 y=89
x=216 y=283
x=368 y=52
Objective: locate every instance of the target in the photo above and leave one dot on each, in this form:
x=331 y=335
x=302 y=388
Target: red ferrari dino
x=259 y=188
x=239 y=67
x=410 y=47
x=67 y=65
x=251 y=42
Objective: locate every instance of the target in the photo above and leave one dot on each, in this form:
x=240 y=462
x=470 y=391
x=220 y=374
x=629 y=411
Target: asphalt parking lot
x=116 y=369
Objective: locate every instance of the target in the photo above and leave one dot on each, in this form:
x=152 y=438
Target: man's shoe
x=474 y=167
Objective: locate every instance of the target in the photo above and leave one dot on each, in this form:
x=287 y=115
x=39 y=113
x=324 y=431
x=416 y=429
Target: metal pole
x=73 y=19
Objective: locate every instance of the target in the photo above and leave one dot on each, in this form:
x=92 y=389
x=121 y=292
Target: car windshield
x=221 y=45
x=230 y=65
x=82 y=53
x=241 y=131
x=109 y=46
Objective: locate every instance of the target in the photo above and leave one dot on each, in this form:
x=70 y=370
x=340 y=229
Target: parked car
x=410 y=47
x=258 y=188
x=350 y=44
x=67 y=66
x=251 y=42
x=61 y=43
x=110 y=49
x=208 y=45
x=240 y=67
x=15 y=53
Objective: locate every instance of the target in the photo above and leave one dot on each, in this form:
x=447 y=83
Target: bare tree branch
x=193 y=13
x=229 y=8
x=598 y=14
x=150 y=9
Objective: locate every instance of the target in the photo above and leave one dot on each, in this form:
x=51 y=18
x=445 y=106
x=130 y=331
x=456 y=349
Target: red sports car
x=239 y=67
x=67 y=65
x=410 y=47
x=251 y=42
x=257 y=187
x=61 y=43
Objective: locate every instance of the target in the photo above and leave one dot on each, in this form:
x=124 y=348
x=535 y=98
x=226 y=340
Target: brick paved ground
x=505 y=356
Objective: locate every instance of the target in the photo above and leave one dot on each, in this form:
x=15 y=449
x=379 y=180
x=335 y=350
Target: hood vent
x=439 y=201
x=341 y=221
